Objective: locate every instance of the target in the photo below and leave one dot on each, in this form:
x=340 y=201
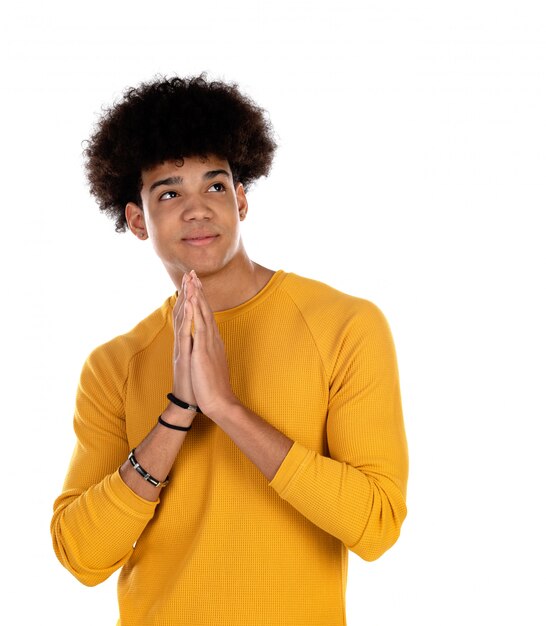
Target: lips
x=197 y=236
x=200 y=239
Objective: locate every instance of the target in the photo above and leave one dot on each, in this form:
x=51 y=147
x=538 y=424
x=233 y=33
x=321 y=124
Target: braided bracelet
x=147 y=476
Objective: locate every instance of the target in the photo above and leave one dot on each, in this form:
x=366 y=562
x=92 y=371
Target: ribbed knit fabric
x=223 y=546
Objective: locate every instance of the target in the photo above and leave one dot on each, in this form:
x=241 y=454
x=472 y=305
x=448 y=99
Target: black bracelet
x=164 y=423
x=144 y=473
x=182 y=404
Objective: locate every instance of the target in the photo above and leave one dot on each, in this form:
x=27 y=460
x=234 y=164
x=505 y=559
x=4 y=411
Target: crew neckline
x=264 y=293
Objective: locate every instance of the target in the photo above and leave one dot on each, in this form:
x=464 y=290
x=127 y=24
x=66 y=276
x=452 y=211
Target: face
x=192 y=212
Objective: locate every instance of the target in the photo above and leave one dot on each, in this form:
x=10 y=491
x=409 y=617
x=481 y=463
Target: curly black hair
x=169 y=119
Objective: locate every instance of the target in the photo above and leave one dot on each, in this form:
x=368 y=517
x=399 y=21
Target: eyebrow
x=177 y=180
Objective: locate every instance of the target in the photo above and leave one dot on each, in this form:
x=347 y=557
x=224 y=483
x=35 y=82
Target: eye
x=217 y=187
x=168 y=195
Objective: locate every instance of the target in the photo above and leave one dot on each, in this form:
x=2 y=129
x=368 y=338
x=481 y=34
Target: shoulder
x=113 y=357
x=320 y=303
x=341 y=325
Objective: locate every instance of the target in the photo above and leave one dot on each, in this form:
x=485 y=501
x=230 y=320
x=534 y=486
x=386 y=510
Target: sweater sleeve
x=357 y=493
x=98 y=518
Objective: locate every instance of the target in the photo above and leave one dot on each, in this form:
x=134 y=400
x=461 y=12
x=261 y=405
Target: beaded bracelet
x=147 y=476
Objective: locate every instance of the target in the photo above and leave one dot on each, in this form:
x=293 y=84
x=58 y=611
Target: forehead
x=186 y=167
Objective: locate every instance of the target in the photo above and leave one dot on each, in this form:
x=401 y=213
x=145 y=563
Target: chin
x=206 y=264
x=206 y=269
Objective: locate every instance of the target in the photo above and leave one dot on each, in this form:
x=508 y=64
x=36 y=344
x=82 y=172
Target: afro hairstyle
x=169 y=119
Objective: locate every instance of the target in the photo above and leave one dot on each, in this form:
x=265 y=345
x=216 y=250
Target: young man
x=281 y=443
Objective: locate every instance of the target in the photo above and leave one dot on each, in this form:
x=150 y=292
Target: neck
x=235 y=283
x=225 y=292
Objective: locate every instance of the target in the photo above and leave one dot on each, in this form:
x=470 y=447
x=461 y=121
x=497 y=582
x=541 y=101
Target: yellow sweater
x=223 y=546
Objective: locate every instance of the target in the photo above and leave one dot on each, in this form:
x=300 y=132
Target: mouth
x=200 y=240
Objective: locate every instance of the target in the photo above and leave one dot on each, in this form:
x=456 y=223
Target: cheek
x=160 y=225
x=236 y=231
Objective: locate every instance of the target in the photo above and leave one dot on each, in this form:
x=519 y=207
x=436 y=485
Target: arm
x=97 y=518
x=357 y=494
x=158 y=450
x=95 y=524
x=104 y=508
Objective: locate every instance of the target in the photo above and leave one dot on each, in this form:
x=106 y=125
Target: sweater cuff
x=294 y=462
x=127 y=498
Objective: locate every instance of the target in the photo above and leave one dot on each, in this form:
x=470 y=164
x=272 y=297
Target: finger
x=206 y=310
x=190 y=287
x=198 y=319
x=183 y=283
x=188 y=290
x=195 y=281
x=184 y=333
x=178 y=309
x=183 y=311
x=180 y=292
x=183 y=344
x=212 y=332
x=184 y=328
x=186 y=283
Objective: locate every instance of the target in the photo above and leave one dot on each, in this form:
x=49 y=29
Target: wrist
x=225 y=410
x=178 y=416
x=182 y=403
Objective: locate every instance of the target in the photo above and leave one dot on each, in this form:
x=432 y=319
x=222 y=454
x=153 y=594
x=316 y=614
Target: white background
x=410 y=172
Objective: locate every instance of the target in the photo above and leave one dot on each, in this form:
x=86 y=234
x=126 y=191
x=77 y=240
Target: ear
x=135 y=220
x=242 y=202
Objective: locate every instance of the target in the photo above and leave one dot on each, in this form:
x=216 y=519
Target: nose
x=195 y=208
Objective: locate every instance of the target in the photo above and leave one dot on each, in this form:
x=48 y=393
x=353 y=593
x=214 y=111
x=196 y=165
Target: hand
x=182 y=318
x=208 y=364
